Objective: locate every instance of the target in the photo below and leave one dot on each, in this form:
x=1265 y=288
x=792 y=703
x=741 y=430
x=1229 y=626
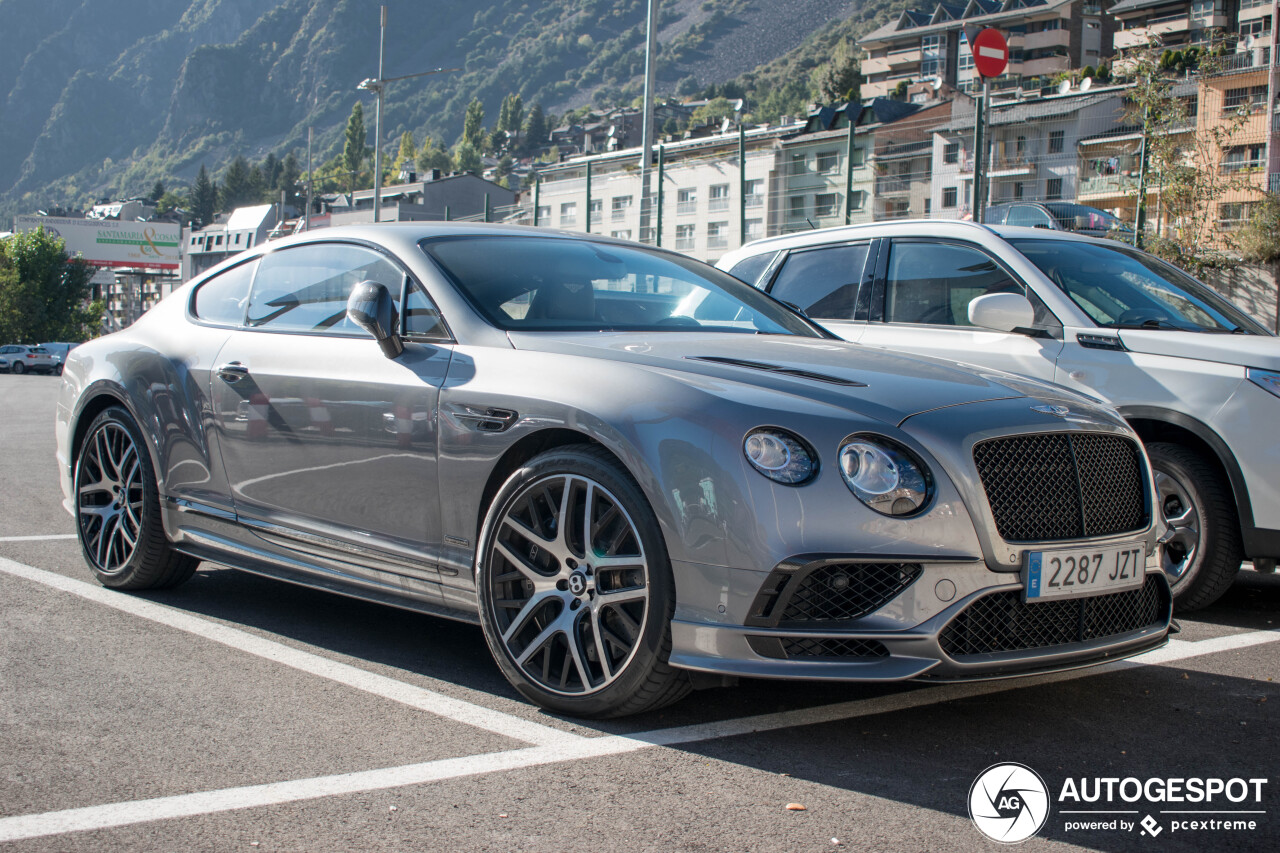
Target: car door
x=824 y=281
x=1029 y=216
x=920 y=304
x=327 y=444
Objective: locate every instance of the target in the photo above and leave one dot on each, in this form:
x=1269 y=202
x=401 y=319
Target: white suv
x=1196 y=377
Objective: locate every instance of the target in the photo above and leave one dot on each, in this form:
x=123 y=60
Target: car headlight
x=1267 y=380
x=885 y=475
x=780 y=455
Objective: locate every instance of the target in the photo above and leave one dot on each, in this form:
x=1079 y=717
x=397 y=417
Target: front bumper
x=984 y=632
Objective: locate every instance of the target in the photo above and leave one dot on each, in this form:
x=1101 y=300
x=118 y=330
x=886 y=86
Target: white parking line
x=276 y=793
x=554 y=746
x=37 y=538
x=468 y=713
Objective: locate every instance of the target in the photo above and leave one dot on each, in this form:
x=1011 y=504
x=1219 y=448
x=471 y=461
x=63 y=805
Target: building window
x=1053 y=189
x=755 y=229
x=218 y=241
x=825 y=204
x=648 y=235
x=1243 y=158
x=1017 y=189
x=595 y=211
x=1234 y=214
x=798 y=164
x=856 y=199
x=687 y=201
x=827 y=162
x=951 y=153
x=1251 y=98
x=621 y=204
x=948 y=196
x=859 y=156
x=624 y=234
x=684 y=238
x=718 y=198
x=795 y=207
x=717 y=235
x=569 y=213
x=928 y=206
x=1056 y=140
x=754 y=193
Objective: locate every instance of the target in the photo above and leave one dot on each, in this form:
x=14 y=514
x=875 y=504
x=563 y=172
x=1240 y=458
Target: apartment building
x=1181 y=23
x=1045 y=37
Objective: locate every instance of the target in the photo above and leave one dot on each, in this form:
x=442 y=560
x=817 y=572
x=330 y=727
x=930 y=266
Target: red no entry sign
x=990 y=53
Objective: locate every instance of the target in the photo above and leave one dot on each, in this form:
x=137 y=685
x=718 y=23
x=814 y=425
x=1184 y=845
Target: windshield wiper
x=1152 y=323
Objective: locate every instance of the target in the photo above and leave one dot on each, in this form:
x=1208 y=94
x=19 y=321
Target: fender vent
x=777 y=368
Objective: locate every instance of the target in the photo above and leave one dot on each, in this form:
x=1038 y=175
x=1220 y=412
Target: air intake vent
x=830 y=592
x=777 y=368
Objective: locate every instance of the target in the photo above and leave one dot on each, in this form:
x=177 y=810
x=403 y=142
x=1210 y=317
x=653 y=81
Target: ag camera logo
x=1009 y=803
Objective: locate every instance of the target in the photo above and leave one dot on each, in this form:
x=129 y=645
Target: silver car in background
x=624 y=464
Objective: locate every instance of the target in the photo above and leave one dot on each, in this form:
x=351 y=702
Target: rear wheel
x=1202 y=558
x=576 y=590
x=118 y=509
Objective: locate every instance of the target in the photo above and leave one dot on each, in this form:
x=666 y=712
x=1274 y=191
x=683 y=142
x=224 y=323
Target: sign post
x=990 y=58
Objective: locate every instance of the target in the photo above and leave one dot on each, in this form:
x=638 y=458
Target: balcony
x=875 y=65
x=755 y=200
x=686 y=207
x=1049 y=38
x=715 y=205
x=908 y=57
x=1105 y=186
x=888 y=186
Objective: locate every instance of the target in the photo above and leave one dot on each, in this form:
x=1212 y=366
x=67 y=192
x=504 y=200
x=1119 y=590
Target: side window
x=933 y=283
x=305 y=289
x=1028 y=216
x=749 y=269
x=421 y=316
x=823 y=282
x=221 y=299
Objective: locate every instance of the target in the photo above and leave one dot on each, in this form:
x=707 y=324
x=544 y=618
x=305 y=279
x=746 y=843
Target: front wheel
x=17 y=367
x=118 y=509
x=576 y=591
x=1194 y=499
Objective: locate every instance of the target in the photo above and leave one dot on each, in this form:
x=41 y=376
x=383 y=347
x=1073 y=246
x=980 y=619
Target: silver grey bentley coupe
x=627 y=466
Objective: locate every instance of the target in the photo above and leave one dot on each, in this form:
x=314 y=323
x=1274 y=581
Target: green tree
x=354 y=147
x=238 y=187
x=841 y=79
x=408 y=152
x=535 y=127
x=271 y=172
x=432 y=156
x=204 y=198
x=472 y=125
x=43 y=293
x=466 y=157
x=157 y=191
x=290 y=174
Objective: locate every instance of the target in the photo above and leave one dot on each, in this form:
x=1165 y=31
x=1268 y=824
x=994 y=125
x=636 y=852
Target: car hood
x=873 y=382
x=1244 y=350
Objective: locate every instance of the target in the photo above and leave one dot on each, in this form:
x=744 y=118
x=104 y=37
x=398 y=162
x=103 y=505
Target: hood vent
x=775 y=368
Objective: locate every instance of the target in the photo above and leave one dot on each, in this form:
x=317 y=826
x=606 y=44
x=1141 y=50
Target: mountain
x=105 y=96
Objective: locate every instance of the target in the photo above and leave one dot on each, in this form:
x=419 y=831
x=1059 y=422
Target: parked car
x=1194 y=375
x=624 y=464
x=17 y=358
x=59 y=350
x=1059 y=216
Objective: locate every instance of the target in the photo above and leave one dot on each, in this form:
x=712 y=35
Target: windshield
x=1079 y=217
x=1122 y=288
x=524 y=283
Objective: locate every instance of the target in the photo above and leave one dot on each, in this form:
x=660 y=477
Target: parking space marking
x=568 y=749
x=37 y=538
x=430 y=701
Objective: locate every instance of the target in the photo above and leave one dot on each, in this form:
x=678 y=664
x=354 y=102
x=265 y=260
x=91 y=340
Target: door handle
x=233 y=372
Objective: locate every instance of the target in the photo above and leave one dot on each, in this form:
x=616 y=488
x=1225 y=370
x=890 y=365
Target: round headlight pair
x=780 y=455
x=884 y=475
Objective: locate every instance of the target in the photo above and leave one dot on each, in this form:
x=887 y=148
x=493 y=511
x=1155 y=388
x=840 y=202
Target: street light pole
x=377 y=125
x=646 y=128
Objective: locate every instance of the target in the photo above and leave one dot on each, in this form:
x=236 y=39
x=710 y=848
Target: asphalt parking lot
x=241 y=713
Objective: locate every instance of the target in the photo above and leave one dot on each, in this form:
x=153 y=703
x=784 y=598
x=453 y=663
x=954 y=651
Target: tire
x=116 y=501
x=17 y=367
x=573 y=635
x=1196 y=501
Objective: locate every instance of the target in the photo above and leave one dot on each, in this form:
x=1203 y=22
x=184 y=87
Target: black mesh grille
x=830 y=592
x=847 y=590
x=1054 y=486
x=1004 y=623
x=806 y=647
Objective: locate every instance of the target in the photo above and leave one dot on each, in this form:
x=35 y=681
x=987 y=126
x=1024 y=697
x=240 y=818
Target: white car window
x=933 y=283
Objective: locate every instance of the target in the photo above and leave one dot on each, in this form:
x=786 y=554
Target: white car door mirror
x=1004 y=312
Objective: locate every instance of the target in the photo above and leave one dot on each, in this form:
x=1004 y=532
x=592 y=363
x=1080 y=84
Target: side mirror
x=1004 y=312
x=370 y=307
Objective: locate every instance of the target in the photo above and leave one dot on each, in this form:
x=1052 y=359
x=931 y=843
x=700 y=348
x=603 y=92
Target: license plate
x=1077 y=572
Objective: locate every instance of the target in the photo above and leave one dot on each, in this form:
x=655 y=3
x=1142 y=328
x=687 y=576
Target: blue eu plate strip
x=1033 y=574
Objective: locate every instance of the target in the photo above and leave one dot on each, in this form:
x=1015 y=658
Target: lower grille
x=830 y=592
x=791 y=648
x=1054 y=486
x=1004 y=623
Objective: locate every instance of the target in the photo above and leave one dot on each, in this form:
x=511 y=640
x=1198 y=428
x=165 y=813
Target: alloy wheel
x=569 y=584
x=1179 y=513
x=109 y=495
